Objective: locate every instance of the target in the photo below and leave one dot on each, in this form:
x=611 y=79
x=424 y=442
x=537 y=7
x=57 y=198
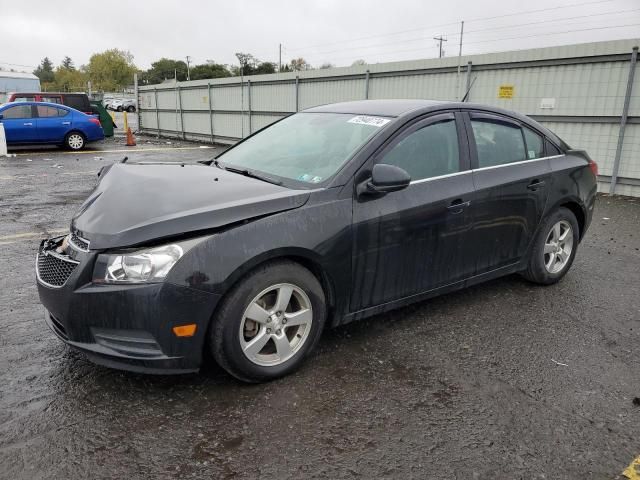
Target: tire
x=119 y=109
x=75 y=141
x=232 y=332
x=549 y=259
x=131 y=109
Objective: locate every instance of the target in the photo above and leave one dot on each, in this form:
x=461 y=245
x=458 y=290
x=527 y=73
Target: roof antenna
x=124 y=160
x=466 y=95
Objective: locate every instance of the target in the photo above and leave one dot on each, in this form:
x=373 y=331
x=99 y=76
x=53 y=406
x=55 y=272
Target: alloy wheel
x=276 y=324
x=558 y=247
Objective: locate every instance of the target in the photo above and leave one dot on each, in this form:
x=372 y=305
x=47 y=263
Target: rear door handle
x=457 y=206
x=66 y=123
x=535 y=184
x=28 y=124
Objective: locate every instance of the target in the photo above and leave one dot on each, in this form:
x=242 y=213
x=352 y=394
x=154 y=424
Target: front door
x=413 y=240
x=511 y=177
x=19 y=124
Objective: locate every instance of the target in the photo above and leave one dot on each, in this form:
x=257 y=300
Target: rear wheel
x=269 y=322
x=74 y=141
x=554 y=248
x=119 y=108
x=131 y=109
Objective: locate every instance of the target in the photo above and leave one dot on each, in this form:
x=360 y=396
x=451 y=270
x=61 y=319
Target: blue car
x=48 y=123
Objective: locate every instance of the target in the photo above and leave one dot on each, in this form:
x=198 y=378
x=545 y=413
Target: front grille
x=79 y=243
x=54 y=269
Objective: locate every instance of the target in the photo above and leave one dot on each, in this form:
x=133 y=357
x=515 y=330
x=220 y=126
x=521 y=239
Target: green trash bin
x=105 y=119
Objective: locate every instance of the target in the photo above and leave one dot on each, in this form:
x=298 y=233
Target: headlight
x=142 y=266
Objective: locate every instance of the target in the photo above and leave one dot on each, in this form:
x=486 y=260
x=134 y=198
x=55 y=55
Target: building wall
x=17 y=84
x=577 y=91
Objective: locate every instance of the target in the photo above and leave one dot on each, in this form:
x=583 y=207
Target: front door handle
x=66 y=123
x=29 y=124
x=457 y=206
x=535 y=184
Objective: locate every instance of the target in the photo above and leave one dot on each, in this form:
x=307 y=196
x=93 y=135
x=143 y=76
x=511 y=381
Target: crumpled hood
x=136 y=203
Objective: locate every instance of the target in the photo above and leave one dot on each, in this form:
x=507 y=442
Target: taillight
x=96 y=121
x=594 y=167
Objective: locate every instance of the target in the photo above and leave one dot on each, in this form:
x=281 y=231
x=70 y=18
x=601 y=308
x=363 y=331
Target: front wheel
x=554 y=248
x=74 y=141
x=131 y=109
x=268 y=322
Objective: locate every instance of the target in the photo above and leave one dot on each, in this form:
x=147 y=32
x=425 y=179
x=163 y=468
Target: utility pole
x=459 y=60
x=279 y=57
x=188 y=67
x=440 y=39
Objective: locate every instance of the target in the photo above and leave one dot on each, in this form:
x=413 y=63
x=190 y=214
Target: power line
x=457 y=34
x=399 y=32
x=393 y=52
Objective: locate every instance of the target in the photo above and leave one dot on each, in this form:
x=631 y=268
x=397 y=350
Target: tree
x=67 y=64
x=164 y=69
x=264 y=68
x=70 y=79
x=111 y=70
x=359 y=62
x=209 y=70
x=250 y=65
x=298 y=64
x=44 y=71
x=326 y=65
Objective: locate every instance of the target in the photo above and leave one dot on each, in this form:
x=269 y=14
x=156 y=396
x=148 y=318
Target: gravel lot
x=503 y=380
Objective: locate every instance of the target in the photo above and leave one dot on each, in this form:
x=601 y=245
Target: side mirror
x=384 y=179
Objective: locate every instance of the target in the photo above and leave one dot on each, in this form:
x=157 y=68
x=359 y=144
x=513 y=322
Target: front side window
x=19 y=111
x=428 y=152
x=535 y=145
x=497 y=143
x=307 y=147
x=24 y=99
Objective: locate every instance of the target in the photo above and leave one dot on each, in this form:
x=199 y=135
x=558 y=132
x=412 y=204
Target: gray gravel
x=503 y=380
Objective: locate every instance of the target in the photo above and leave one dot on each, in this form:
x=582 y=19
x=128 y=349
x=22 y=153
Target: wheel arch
x=308 y=259
x=579 y=213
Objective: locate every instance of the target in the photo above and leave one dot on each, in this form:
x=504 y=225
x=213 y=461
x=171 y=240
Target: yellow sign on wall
x=505 y=91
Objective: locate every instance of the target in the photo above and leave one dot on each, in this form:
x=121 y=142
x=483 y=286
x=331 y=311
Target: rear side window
x=23 y=99
x=497 y=143
x=79 y=102
x=52 y=99
x=44 y=112
x=535 y=144
x=19 y=111
x=428 y=152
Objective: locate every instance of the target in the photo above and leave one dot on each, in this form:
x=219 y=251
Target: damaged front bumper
x=127 y=327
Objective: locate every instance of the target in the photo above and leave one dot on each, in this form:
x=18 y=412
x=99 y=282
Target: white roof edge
x=8 y=74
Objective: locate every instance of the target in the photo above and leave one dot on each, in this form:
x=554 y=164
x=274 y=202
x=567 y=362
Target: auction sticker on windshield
x=367 y=120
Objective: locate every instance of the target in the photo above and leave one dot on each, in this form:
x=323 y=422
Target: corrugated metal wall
x=578 y=91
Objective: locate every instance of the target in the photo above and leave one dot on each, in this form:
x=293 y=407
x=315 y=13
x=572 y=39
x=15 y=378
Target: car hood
x=135 y=203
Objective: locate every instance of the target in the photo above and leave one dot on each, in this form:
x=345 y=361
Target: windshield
x=307 y=147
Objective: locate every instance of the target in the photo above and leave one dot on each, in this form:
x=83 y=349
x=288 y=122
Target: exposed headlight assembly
x=141 y=266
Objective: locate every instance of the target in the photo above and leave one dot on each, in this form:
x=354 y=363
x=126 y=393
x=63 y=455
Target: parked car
x=129 y=105
x=79 y=101
x=331 y=215
x=116 y=104
x=48 y=123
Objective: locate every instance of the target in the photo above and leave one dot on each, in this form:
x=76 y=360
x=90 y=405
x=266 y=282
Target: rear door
x=19 y=123
x=53 y=123
x=413 y=240
x=511 y=177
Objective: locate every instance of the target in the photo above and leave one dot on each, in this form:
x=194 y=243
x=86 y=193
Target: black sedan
x=328 y=216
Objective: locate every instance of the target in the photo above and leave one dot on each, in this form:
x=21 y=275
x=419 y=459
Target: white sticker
x=549 y=103
x=367 y=120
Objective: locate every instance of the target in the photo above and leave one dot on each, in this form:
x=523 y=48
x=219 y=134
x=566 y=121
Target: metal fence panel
x=578 y=91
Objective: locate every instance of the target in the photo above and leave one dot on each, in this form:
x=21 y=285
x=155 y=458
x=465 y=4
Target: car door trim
x=521 y=162
x=422 y=180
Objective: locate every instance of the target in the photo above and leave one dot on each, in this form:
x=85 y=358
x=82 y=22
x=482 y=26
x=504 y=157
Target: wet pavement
x=503 y=380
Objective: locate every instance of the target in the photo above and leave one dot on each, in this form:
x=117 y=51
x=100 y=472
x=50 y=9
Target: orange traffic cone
x=131 y=140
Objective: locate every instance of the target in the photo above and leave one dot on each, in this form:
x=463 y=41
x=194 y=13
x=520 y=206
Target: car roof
x=44 y=104
x=384 y=108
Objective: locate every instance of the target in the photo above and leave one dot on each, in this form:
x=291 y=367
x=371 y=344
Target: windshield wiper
x=251 y=174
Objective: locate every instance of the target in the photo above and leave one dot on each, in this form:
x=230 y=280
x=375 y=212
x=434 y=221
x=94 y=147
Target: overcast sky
x=336 y=31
